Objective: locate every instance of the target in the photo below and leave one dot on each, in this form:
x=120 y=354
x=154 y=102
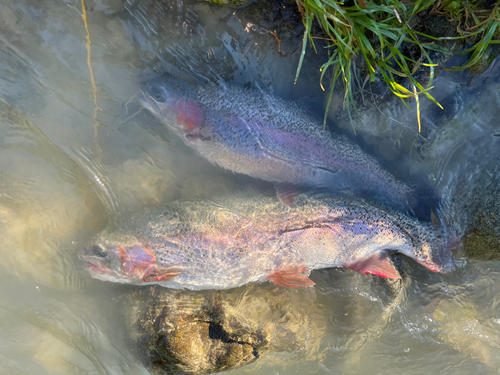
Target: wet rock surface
x=181 y=332
x=482 y=237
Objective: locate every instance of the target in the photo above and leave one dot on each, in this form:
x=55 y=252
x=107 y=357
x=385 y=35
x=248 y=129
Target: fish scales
x=254 y=238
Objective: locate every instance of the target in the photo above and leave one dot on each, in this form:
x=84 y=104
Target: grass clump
x=376 y=31
x=481 y=26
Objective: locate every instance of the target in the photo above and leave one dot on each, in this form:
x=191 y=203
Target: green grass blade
x=304 y=45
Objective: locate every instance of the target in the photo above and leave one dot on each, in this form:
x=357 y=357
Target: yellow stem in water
x=418 y=108
x=92 y=79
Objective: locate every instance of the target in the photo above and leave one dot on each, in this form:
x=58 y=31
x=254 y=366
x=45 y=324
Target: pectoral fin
x=154 y=274
x=286 y=193
x=290 y=278
x=377 y=264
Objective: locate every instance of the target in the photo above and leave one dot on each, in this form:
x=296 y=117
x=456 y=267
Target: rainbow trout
x=239 y=239
x=250 y=132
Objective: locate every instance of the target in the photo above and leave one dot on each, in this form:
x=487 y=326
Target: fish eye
x=158 y=94
x=99 y=250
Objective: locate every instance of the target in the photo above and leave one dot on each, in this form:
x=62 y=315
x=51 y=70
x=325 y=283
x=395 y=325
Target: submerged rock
x=460 y=326
x=202 y=332
x=482 y=238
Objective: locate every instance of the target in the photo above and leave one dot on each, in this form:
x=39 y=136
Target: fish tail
x=424 y=199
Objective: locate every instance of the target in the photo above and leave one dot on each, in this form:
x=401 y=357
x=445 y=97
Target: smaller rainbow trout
x=250 y=132
x=248 y=237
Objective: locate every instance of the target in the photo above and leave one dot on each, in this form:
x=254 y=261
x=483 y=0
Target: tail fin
x=425 y=199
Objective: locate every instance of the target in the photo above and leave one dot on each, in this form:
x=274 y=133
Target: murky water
x=72 y=158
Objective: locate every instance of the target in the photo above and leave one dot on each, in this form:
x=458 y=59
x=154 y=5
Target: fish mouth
x=149 y=103
x=95 y=266
x=128 y=264
x=152 y=96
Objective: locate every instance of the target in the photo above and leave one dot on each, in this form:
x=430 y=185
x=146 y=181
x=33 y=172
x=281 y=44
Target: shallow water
x=67 y=169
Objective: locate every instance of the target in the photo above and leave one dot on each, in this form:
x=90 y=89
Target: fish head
x=176 y=109
x=127 y=262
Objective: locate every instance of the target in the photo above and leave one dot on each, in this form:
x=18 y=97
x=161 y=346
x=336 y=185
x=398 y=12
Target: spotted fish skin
x=253 y=133
x=248 y=237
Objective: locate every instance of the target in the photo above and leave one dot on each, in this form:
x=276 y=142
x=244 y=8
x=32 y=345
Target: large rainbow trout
x=250 y=132
x=244 y=238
